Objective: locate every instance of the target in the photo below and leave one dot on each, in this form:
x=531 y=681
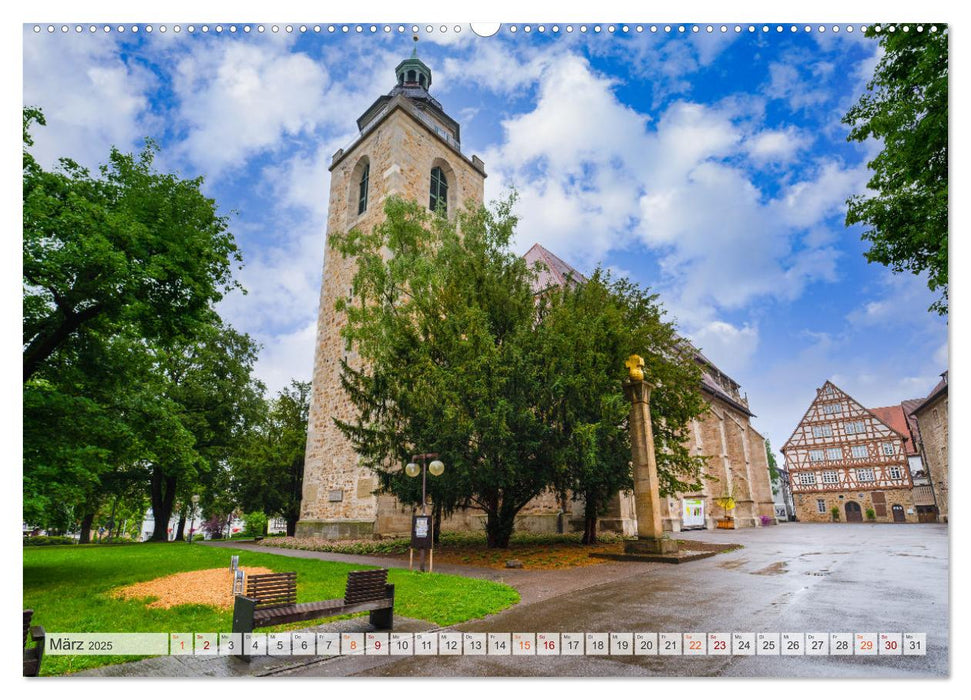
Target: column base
x=651 y=545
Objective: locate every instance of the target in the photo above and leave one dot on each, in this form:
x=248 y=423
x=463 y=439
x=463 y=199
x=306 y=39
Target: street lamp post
x=436 y=467
x=192 y=519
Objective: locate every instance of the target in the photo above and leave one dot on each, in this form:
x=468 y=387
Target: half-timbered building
x=850 y=463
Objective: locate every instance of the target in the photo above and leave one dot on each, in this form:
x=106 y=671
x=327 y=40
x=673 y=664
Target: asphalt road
x=790 y=578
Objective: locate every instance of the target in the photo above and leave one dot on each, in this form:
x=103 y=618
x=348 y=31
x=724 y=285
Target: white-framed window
x=830 y=477
x=864 y=475
x=831 y=408
x=816 y=455
x=807 y=478
x=820 y=505
x=833 y=453
x=894 y=472
x=859 y=452
x=854 y=427
x=823 y=430
x=887 y=448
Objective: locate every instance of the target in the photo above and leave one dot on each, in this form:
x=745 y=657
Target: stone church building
x=408 y=146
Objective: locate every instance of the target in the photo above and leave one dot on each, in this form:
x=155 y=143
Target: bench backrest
x=28 y=615
x=272 y=590
x=363 y=586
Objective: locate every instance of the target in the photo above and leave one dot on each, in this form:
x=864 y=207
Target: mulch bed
x=206 y=587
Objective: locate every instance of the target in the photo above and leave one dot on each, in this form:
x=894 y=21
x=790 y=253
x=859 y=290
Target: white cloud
x=238 y=98
x=91 y=98
x=287 y=356
x=733 y=346
x=776 y=146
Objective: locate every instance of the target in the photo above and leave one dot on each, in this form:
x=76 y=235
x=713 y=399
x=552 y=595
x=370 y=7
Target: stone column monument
x=647 y=503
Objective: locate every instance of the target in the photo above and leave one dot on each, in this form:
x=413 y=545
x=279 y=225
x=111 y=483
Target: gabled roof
x=895 y=417
x=553 y=271
x=936 y=392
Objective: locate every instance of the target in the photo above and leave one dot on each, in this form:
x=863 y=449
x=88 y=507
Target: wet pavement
x=790 y=578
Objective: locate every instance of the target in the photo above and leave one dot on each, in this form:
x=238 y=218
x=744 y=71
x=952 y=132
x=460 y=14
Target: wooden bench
x=34 y=654
x=271 y=599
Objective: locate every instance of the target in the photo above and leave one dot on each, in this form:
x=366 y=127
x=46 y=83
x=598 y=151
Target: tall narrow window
x=362 y=190
x=439 y=191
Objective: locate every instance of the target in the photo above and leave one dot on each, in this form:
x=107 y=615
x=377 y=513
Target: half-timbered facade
x=846 y=462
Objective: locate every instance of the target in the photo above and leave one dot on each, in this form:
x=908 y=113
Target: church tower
x=407 y=146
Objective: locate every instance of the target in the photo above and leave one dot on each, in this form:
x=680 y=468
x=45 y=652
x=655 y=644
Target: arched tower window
x=362 y=189
x=439 y=191
x=411 y=76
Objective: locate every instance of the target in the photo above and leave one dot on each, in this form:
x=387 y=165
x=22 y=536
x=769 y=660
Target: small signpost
x=421 y=537
x=238 y=578
x=234 y=562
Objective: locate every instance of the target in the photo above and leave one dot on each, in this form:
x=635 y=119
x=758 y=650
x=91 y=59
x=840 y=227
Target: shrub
x=255 y=524
x=871 y=514
x=835 y=512
x=42 y=540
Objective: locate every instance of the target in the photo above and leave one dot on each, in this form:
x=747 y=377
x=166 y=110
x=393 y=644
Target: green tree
x=443 y=324
x=268 y=473
x=588 y=331
x=205 y=393
x=130 y=248
x=905 y=107
x=773 y=464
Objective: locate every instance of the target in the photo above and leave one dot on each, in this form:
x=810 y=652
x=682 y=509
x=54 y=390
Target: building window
x=854 y=427
x=830 y=478
x=864 y=475
x=834 y=453
x=822 y=430
x=807 y=479
x=894 y=472
x=820 y=505
x=362 y=190
x=831 y=408
x=439 y=191
x=816 y=455
x=887 y=448
x=859 y=451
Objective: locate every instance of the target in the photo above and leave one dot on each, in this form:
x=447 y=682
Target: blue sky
x=712 y=167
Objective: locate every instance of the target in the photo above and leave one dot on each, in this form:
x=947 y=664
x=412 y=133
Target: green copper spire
x=412 y=72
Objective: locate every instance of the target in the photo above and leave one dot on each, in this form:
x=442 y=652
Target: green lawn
x=67 y=586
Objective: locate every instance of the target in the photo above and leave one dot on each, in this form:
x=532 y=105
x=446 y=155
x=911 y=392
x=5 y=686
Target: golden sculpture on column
x=647 y=502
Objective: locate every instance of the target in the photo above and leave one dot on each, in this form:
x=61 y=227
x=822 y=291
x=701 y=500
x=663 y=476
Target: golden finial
x=634 y=364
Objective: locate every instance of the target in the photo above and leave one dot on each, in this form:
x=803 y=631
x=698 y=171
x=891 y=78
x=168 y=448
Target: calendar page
x=471 y=350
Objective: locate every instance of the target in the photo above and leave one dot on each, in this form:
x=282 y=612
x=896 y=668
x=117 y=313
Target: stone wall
x=808 y=511
x=933 y=424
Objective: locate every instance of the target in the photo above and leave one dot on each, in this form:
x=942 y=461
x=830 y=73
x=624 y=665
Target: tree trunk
x=86 y=522
x=436 y=524
x=590 y=520
x=180 y=530
x=499 y=527
x=292 y=525
x=163 y=498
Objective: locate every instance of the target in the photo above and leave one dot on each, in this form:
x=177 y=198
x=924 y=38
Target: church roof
x=552 y=270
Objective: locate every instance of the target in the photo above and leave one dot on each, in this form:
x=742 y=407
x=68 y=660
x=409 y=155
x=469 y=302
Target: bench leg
x=244 y=611
x=382 y=619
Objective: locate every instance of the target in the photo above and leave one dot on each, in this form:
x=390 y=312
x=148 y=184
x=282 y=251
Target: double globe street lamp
x=412 y=469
